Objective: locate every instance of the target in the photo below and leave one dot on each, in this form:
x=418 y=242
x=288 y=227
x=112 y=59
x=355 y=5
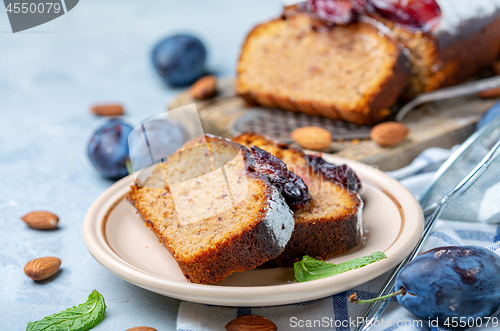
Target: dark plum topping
x=291 y=186
x=347 y=177
x=417 y=14
x=295 y=192
x=337 y=11
x=270 y=165
x=342 y=174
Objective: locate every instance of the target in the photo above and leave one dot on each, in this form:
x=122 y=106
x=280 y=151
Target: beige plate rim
x=254 y=296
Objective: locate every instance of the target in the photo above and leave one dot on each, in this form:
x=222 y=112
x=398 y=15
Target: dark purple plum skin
x=453 y=281
x=266 y=163
x=291 y=186
x=295 y=192
x=180 y=59
x=108 y=148
x=342 y=174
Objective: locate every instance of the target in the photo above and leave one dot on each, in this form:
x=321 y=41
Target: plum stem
x=354 y=298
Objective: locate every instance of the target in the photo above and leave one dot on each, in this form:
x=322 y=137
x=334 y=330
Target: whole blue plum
x=180 y=59
x=108 y=148
x=165 y=136
x=447 y=282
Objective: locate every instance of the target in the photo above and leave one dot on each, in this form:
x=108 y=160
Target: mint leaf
x=79 y=318
x=312 y=269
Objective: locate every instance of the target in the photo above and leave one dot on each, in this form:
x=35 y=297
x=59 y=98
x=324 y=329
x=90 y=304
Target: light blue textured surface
x=49 y=76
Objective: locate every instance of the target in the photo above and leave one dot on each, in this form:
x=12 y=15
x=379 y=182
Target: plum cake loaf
x=332 y=222
x=340 y=58
x=298 y=63
x=214 y=210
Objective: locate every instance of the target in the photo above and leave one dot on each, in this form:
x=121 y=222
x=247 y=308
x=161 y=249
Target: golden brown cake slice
x=332 y=222
x=298 y=63
x=214 y=215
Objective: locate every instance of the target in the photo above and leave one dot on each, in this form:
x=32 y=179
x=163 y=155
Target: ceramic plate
x=117 y=237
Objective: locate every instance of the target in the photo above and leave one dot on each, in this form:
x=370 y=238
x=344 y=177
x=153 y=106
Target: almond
x=204 y=88
x=251 y=322
x=42 y=268
x=142 y=328
x=491 y=93
x=108 y=110
x=312 y=137
x=41 y=220
x=389 y=133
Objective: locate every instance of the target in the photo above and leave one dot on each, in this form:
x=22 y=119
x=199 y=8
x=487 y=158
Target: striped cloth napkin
x=334 y=312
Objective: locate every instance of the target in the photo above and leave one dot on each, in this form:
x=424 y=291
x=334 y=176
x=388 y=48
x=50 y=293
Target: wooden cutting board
x=441 y=124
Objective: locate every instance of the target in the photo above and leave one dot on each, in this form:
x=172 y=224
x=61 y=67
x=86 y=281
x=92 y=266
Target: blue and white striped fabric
x=334 y=312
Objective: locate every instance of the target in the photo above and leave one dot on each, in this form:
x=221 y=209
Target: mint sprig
x=312 y=269
x=79 y=318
